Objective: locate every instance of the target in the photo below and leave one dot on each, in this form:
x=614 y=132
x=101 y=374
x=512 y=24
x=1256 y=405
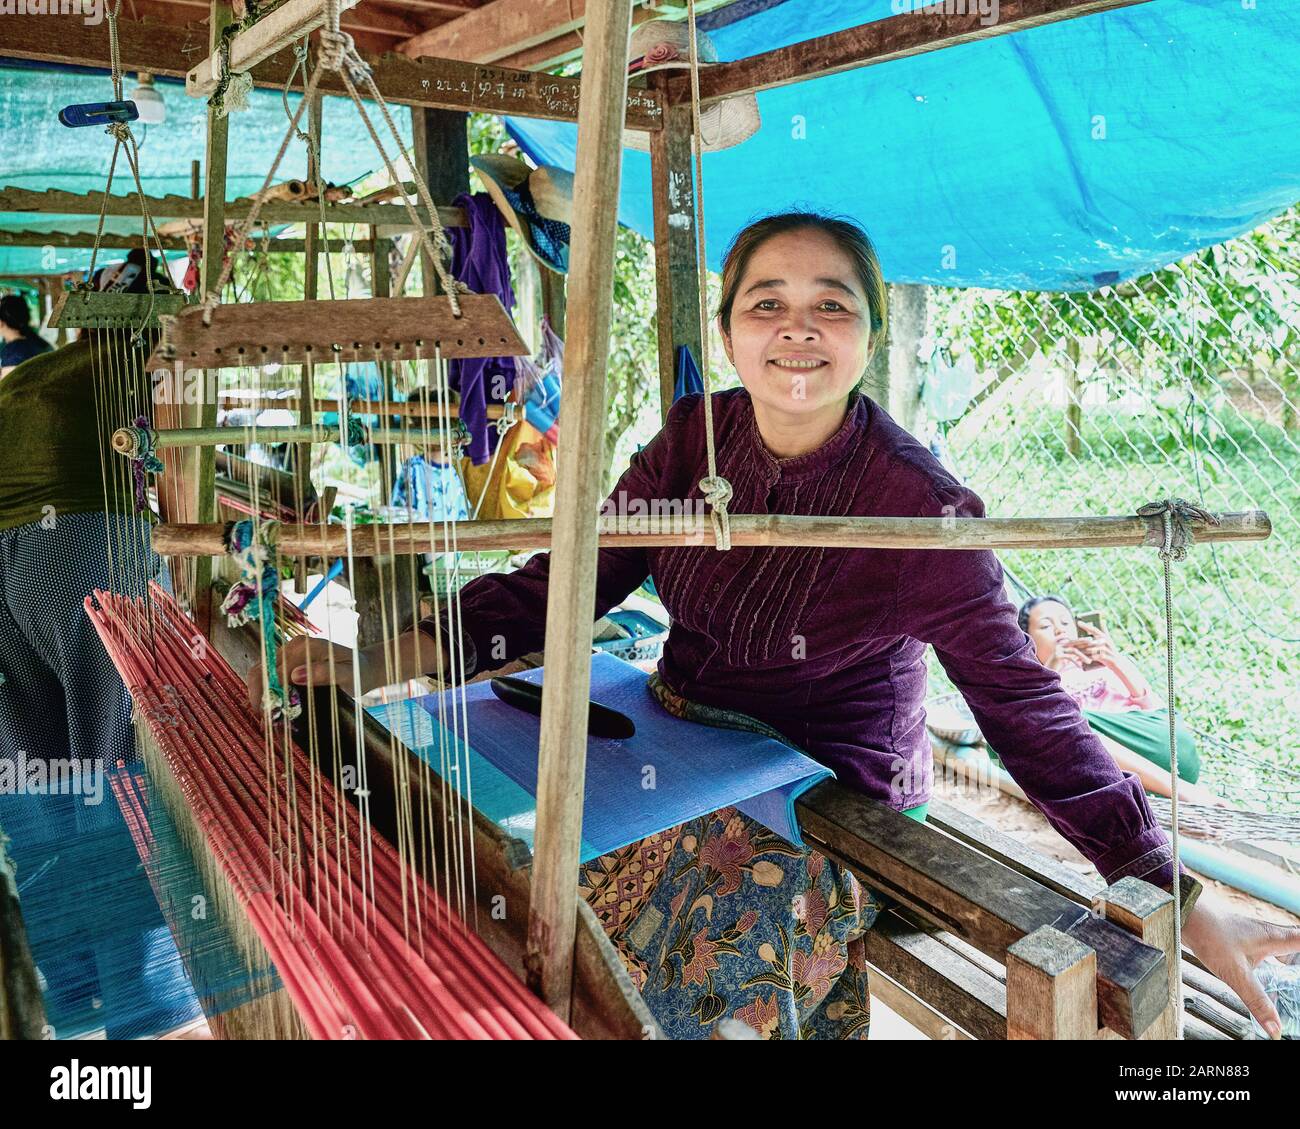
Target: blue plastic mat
x=669 y=772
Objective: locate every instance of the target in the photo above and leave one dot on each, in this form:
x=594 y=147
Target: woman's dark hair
x=16 y=313
x=139 y=284
x=1029 y=605
x=848 y=236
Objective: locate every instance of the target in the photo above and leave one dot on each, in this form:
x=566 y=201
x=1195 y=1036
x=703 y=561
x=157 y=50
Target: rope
x=717 y=490
x=339 y=54
x=1176 y=516
x=124 y=139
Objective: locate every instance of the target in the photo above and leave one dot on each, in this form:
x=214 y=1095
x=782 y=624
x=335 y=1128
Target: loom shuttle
x=527 y=696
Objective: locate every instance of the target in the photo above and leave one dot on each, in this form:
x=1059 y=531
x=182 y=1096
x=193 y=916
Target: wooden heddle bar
x=747 y=530
x=354 y=329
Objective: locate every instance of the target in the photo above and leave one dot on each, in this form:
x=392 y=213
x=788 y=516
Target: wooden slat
x=968 y=996
x=291 y=20
x=361 y=328
x=981 y=901
x=1081 y=888
x=562 y=751
x=441 y=83
x=55 y=201
x=913 y=1010
x=897 y=37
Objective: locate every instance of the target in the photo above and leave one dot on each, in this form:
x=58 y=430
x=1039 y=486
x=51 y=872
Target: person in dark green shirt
x=68 y=525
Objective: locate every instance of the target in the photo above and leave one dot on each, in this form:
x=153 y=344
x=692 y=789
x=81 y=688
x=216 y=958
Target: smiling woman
x=820 y=648
x=804 y=324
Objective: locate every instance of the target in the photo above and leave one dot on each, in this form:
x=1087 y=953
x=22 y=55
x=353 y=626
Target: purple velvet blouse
x=827 y=645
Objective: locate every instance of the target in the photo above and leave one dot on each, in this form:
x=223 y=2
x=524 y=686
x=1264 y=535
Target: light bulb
x=148 y=101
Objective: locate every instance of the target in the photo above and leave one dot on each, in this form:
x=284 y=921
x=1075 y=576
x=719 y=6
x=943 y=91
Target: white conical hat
x=658 y=45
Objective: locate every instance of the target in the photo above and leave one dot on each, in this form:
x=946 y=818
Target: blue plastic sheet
x=1062 y=158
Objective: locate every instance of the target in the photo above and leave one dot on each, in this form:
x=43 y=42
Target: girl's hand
x=1231 y=945
x=303 y=653
x=1096 y=646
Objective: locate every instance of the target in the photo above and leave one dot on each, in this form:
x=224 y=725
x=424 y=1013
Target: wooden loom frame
x=554 y=914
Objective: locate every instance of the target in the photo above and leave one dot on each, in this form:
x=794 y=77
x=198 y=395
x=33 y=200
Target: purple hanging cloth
x=479 y=260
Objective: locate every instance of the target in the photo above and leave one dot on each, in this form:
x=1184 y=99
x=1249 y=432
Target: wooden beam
x=57 y=202
x=562 y=749
x=279 y=27
x=882 y=41
x=440 y=151
x=533 y=34
x=302 y=483
x=980 y=901
x=1051 y=987
x=438 y=83
x=970 y=997
x=498 y=29
x=1147 y=912
x=198 y=467
x=677 y=280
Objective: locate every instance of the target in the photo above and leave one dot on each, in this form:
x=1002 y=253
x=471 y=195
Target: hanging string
x=717 y=490
x=340 y=54
x=1176 y=516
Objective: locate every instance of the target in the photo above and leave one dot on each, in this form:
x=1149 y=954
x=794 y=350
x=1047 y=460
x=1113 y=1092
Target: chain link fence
x=1183 y=383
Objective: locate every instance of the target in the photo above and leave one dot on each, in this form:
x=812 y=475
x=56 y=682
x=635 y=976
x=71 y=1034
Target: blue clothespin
x=98 y=113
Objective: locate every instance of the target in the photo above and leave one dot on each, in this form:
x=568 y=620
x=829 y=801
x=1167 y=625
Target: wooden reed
x=354 y=329
x=94 y=309
x=747 y=530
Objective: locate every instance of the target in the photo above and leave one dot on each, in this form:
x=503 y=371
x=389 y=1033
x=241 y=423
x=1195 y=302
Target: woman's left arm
x=955 y=600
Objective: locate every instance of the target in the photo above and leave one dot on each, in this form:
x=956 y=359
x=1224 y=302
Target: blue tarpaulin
x=1060 y=158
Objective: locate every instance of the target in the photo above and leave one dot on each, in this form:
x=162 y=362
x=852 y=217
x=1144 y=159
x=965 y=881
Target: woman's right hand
x=327 y=662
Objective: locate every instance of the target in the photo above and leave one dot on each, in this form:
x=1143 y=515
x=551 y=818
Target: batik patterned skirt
x=721 y=917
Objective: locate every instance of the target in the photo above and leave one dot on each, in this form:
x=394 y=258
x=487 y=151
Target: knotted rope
x=717 y=490
x=145 y=461
x=253 y=548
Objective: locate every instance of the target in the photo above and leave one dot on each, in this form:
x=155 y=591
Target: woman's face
x=1050 y=625
x=800 y=325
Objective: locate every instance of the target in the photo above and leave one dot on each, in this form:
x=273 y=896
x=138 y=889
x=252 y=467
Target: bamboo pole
x=561 y=765
x=128 y=440
x=747 y=530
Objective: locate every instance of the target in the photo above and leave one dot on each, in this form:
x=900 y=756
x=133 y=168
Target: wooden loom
x=1129 y=994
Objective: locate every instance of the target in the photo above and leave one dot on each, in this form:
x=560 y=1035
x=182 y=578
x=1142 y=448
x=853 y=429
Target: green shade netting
x=39 y=153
